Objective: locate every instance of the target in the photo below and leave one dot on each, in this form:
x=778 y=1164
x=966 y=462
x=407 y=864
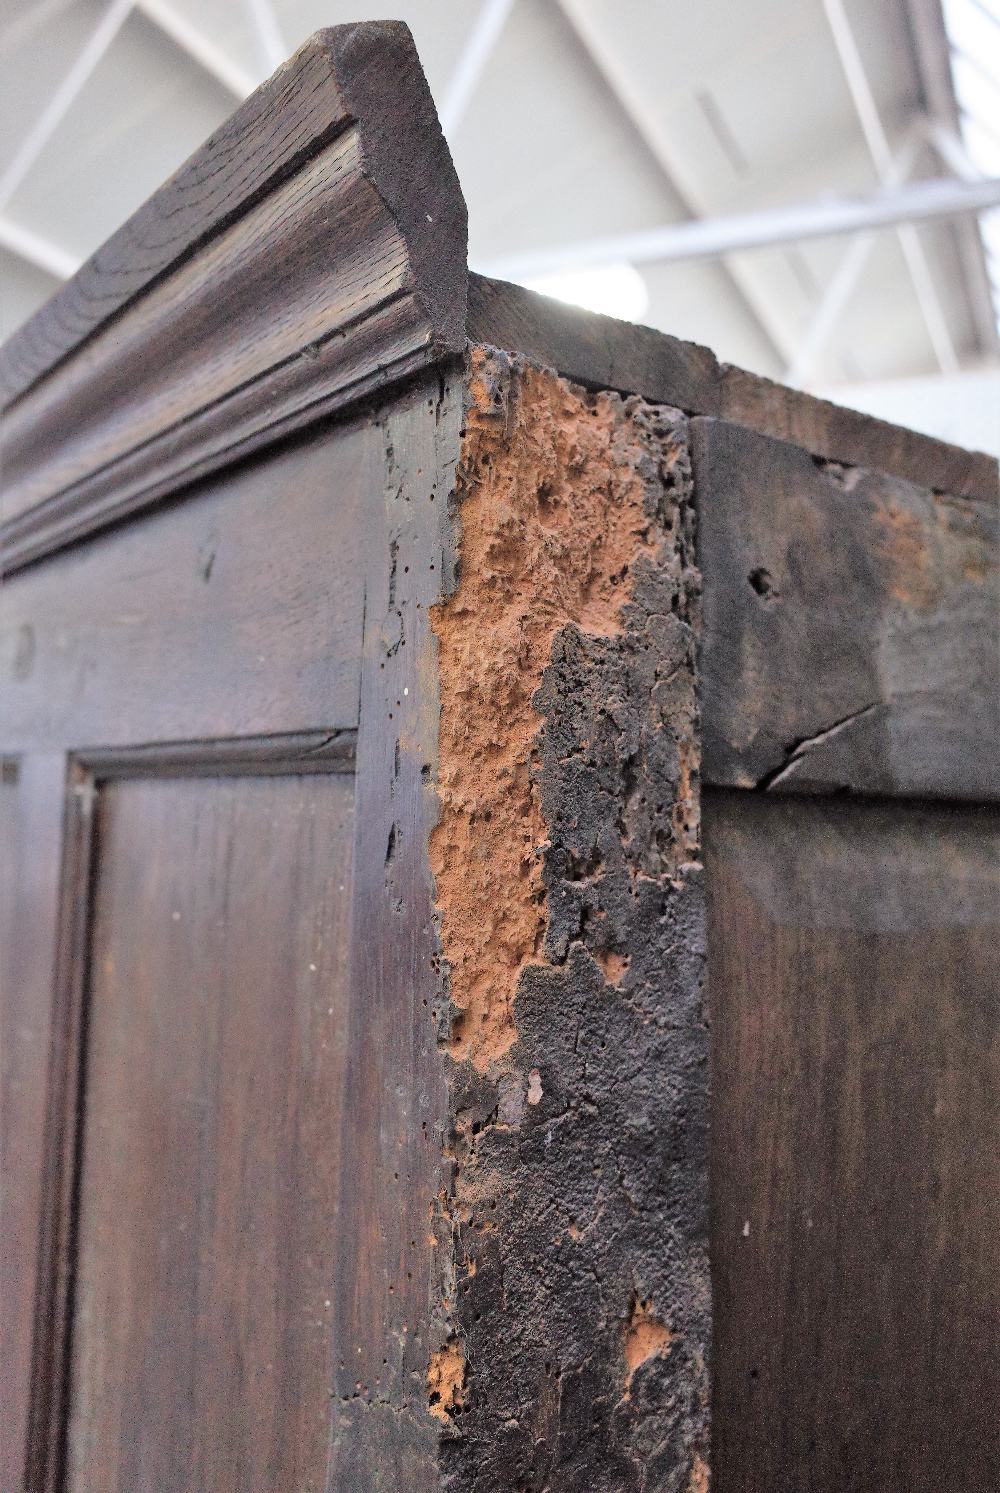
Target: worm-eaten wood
x=569 y=893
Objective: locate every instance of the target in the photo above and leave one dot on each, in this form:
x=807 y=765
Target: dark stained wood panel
x=395 y=1169
x=850 y=625
x=202 y=1352
x=220 y=640
x=855 y=993
x=238 y=612
x=31 y=817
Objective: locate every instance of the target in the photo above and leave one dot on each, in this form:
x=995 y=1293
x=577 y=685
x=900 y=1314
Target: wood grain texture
x=855 y=1168
x=596 y=351
x=215 y=1014
x=32 y=793
x=312 y=251
x=393 y=1170
x=850 y=626
x=238 y=612
x=54 y=1225
x=845 y=435
x=248 y=608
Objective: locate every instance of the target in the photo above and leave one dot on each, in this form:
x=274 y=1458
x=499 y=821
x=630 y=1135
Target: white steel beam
x=483 y=38
x=62 y=99
x=676 y=171
x=826 y=318
x=711 y=238
x=198 y=47
x=841 y=286
x=882 y=157
x=991 y=15
x=37 y=251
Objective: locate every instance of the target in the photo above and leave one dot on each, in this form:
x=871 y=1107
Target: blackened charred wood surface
x=851 y=626
x=855 y=1168
x=475 y=603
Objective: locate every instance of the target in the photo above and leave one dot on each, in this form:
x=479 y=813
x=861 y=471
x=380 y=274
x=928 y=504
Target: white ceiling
x=673 y=109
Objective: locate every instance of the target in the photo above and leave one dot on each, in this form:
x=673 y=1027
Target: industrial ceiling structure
x=811 y=187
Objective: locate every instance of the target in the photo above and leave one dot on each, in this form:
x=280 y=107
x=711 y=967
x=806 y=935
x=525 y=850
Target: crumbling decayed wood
x=569 y=894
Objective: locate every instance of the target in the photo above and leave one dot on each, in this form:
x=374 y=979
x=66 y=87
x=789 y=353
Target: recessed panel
x=202 y=1347
x=855 y=1169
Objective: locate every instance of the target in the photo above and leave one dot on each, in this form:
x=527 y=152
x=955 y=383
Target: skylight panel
x=991 y=237
x=982 y=145
x=612 y=289
x=976 y=88
x=973 y=28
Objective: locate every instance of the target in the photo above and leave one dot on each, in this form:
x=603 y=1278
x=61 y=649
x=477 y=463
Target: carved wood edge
x=288 y=753
x=311 y=253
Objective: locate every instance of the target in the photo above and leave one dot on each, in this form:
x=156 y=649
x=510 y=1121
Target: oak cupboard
x=499 y=871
